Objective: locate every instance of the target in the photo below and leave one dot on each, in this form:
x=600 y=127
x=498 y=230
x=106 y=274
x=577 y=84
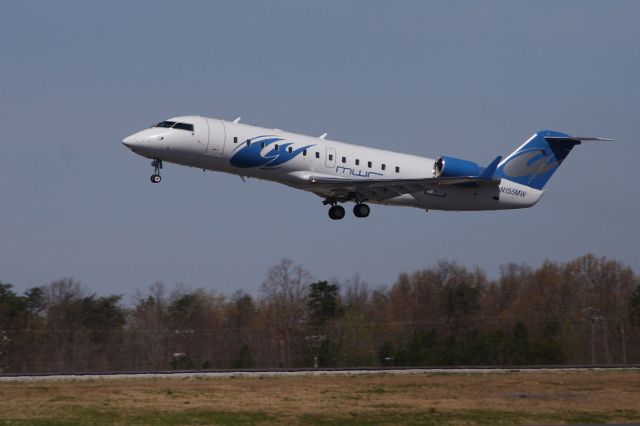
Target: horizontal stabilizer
x=535 y=161
x=575 y=139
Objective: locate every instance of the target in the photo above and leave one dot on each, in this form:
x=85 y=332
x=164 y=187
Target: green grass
x=98 y=417
x=377 y=390
x=78 y=416
x=469 y=417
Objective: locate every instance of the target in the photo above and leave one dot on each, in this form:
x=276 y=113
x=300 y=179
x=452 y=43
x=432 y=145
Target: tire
x=361 y=210
x=336 y=212
x=156 y=178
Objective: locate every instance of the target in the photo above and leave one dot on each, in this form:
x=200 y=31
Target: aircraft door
x=217 y=136
x=330 y=160
x=201 y=131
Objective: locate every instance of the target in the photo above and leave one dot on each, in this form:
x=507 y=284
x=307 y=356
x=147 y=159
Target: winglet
x=237 y=120
x=491 y=168
x=322 y=136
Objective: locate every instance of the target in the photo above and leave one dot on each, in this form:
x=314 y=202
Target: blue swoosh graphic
x=247 y=156
x=530 y=162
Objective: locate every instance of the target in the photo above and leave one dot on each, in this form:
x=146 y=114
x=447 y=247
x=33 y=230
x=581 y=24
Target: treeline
x=581 y=312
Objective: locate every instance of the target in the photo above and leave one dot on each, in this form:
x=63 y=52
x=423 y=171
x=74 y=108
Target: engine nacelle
x=455 y=167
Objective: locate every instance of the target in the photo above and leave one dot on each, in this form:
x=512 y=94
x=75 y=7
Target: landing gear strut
x=361 y=210
x=157 y=165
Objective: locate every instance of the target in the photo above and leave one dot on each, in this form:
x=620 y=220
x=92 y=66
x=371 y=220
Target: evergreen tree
x=244 y=359
x=323 y=302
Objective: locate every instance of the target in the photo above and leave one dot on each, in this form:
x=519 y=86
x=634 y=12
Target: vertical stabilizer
x=533 y=163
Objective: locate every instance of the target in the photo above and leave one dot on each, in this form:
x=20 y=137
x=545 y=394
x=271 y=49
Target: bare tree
x=284 y=299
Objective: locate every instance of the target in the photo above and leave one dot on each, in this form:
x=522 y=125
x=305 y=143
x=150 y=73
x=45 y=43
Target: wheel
x=156 y=178
x=336 y=212
x=361 y=210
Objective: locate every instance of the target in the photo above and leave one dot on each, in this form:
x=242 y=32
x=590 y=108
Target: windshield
x=184 y=126
x=174 y=125
x=165 y=124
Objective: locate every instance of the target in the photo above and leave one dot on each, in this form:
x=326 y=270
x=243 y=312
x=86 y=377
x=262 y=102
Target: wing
x=382 y=189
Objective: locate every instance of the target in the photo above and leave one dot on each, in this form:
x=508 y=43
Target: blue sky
x=467 y=79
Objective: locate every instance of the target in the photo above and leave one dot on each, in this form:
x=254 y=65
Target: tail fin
x=534 y=162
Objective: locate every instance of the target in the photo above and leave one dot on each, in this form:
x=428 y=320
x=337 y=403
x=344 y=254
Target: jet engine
x=455 y=167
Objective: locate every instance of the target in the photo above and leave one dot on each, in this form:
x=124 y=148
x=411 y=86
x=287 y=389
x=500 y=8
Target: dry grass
x=495 y=398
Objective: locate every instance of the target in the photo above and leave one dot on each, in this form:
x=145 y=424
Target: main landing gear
x=157 y=165
x=361 y=210
x=336 y=212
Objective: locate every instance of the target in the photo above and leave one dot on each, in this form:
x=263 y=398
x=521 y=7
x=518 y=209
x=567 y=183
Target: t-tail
x=533 y=163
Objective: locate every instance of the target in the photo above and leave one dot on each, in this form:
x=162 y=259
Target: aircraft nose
x=131 y=141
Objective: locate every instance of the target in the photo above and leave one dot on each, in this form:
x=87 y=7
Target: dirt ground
x=488 y=398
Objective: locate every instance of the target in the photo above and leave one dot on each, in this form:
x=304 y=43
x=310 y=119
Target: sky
x=465 y=79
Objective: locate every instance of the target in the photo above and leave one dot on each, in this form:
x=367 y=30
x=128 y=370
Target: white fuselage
x=293 y=159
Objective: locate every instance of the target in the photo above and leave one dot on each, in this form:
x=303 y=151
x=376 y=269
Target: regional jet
x=339 y=172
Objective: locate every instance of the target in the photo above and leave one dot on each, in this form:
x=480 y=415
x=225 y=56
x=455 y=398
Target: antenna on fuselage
x=237 y=120
x=324 y=135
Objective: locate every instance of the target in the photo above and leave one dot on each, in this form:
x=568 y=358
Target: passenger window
x=184 y=126
x=304 y=152
x=330 y=157
x=357 y=162
x=397 y=169
x=235 y=139
x=369 y=164
x=275 y=147
x=344 y=159
x=384 y=166
x=261 y=144
x=317 y=155
x=290 y=149
x=248 y=142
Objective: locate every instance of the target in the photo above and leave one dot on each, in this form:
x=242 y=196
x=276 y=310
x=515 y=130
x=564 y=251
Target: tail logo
x=529 y=163
x=264 y=152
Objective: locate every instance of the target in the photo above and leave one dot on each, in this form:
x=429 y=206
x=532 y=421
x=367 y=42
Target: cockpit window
x=184 y=126
x=165 y=124
x=173 y=124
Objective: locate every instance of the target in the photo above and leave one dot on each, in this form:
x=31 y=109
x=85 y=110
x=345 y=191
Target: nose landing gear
x=157 y=165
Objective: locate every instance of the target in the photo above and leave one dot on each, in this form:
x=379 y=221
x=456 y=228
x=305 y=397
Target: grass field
x=415 y=399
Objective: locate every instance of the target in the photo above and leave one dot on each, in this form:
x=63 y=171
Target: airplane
x=339 y=172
